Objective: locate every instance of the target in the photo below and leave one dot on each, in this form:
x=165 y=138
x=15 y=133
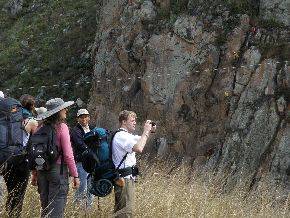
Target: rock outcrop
x=278 y=10
x=209 y=79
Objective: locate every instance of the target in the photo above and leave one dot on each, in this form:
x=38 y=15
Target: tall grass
x=166 y=191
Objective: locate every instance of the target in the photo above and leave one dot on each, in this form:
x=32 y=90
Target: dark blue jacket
x=77 y=139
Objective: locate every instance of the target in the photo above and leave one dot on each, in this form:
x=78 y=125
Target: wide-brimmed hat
x=53 y=106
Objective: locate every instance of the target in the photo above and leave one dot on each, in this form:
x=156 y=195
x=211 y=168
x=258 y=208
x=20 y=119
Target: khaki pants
x=124 y=199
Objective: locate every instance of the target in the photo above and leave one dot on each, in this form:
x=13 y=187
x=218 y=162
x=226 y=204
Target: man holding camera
x=124 y=147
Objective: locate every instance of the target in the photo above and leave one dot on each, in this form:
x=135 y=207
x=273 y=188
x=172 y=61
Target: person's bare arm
x=30 y=125
x=139 y=146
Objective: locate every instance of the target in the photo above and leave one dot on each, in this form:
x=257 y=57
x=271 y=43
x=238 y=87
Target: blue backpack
x=97 y=161
x=11 y=131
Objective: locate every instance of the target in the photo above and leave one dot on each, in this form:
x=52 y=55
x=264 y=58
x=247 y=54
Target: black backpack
x=11 y=131
x=42 y=148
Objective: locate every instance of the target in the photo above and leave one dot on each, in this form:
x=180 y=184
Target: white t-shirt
x=124 y=142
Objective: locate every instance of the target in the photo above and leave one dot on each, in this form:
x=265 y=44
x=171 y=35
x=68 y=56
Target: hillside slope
x=46 y=43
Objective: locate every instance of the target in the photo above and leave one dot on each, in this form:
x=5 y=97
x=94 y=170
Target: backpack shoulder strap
x=111 y=142
x=53 y=138
x=123 y=159
x=111 y=146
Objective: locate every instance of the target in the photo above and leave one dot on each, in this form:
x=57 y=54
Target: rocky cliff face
x=276 y=10
x=216 y=81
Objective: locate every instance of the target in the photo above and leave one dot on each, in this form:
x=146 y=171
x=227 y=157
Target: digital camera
x=153 y=124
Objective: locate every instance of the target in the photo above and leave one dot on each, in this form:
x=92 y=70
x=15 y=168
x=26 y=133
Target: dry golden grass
x=175 y=194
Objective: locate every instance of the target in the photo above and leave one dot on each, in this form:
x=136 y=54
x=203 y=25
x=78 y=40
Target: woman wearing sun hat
x=53 y=185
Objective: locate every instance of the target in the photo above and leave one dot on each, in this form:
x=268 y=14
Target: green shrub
x=47 y=37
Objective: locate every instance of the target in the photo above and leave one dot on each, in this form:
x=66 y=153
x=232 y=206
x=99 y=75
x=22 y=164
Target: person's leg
x=124 y=199
x=2 y=184
x=119 y=198
x=58 y=190
x=89 y=196
x=130 y=197
x=43 y=191
x=80 y=193
x=16 y=179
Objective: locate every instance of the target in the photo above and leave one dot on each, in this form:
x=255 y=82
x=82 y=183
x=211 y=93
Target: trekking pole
x=86 y=210
x=98 y=203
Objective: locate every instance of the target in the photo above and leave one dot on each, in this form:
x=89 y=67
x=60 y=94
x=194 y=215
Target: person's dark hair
x=40 y=102
x=54 y=120
x=28 y=102
x=124 y=115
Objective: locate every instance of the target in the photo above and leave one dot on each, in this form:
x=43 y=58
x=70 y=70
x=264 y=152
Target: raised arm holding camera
x=124 y=146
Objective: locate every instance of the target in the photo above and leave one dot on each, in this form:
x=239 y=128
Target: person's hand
x=75 y=183
x=34 y=179
x=147 y=127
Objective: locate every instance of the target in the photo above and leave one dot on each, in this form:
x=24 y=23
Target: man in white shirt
x=124 y=146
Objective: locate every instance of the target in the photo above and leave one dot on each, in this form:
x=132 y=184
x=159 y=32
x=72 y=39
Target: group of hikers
x=49 y=153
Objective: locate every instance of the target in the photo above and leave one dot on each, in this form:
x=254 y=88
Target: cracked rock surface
x=227 y=101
